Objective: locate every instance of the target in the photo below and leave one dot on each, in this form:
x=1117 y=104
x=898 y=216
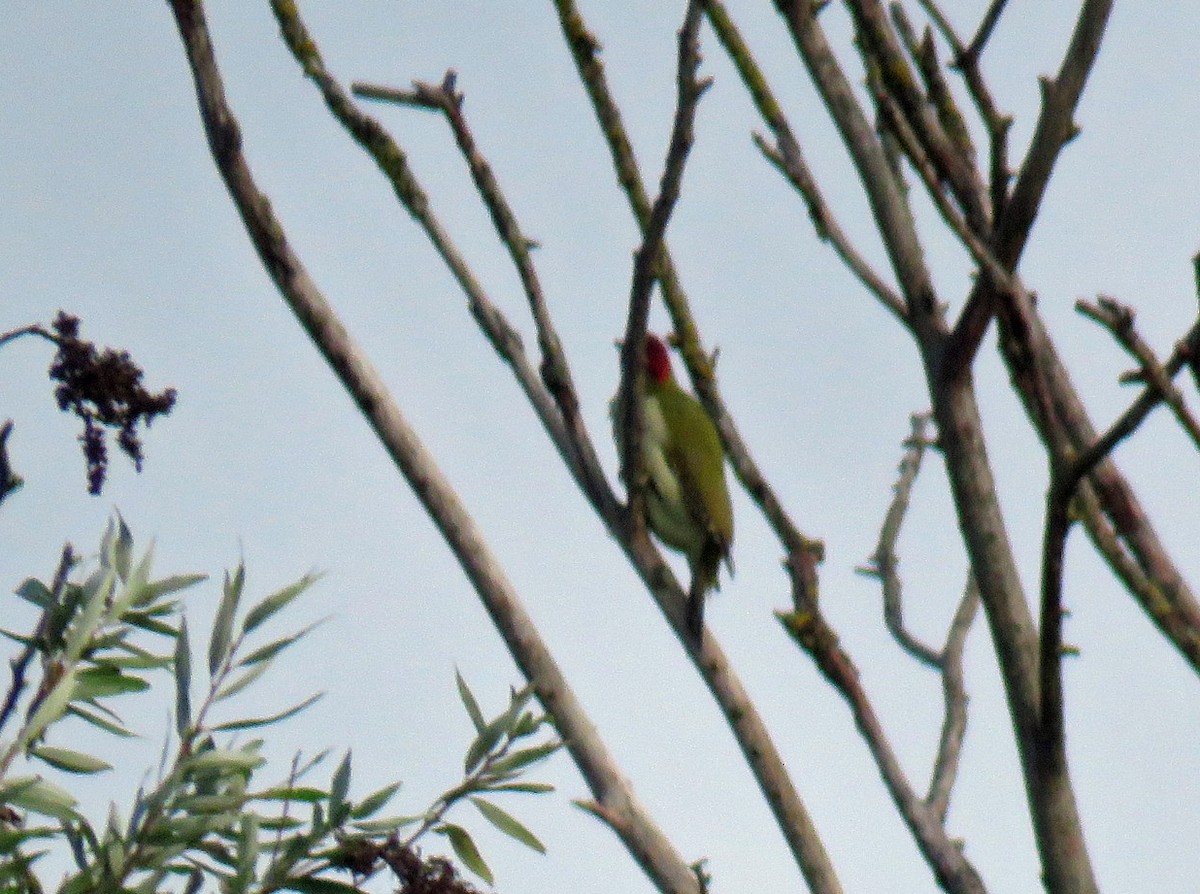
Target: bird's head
x=658 y=361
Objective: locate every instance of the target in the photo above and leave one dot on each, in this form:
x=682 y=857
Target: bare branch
x=647 y=844
x=556 y=373
x=1118 y=320
x=35 y=329
x=646 y=263
x=878 y=43
x=787 y=156
x=892 y=213
x=986 y=26
x=1052 y=748
x=954 y=872
x=954 y=692
x=884 y=564
x=803 y=553
x=1054 y=129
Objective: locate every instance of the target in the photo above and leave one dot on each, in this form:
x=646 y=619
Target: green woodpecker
x=687 y=499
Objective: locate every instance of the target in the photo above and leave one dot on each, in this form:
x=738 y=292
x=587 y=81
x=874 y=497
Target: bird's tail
x=705 y=577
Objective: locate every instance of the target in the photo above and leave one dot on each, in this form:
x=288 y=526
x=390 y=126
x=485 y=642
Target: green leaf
x=194 y=804
x=172 y=584
x=523 y=758
x=97 y=590
x=253 y=722
x=39 y=796
x=101 y=682
x=387 y=825
x=116 y=547
x=136 y=662
x=496 y=729
x=50 y=710
x=484 y=743
x=136 y=584
x=147 y=621
x=315 y=884
x=508 y=824
x=183 y=681
x=95 y=720
x=247 y=853
x=270 y=650
x=372 y=802
x=469 y=702
x=70 y=761
x=35 y=592
x=533 y=788
x=19 y=638
x=464 y=847
x=222 y=759
x=303 y=794
x=339 y=789
x=244 y=680
x=527 y=725
x=222 y=632
x=273 y=603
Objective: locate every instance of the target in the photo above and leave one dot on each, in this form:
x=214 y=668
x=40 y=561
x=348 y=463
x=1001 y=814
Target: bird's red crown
x=658 y=361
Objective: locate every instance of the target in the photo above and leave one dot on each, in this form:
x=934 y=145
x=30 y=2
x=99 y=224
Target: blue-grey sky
x=110 y=207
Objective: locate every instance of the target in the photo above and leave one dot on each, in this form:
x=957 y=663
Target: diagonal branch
x=447 y=99
x=884 y=565
x=892 y=213
x=646 y=264
x=880 y=47
x=1118 y=320
x=645 y=841
x=787 y=156
x=803 y=553
x=1054 y=129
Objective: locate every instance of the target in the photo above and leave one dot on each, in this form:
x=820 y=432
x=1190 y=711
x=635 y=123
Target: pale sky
x=111 y=208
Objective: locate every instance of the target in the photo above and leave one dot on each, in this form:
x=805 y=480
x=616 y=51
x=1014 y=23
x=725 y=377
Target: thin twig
x=986 y=27
x=35 y=329
x=884 y=564
x=803 y=553
x=880 y=46
x=446 y=98
x=1052 y=744
x=885 y=194
x=1054 y=129
x=646 y=263
x=788 y=158
x=1118 y=320
x=954 y=692
x=953 y=871
x=647 y=844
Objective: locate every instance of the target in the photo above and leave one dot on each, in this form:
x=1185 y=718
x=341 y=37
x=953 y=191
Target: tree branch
x=788 y=158
x=954 y=693
x=1118 y=320
x=880 y=47
x=555 y=371
x=1054 y=129
x=803 y=553
x=645 y=841
x=892 y=213
x=884 y=566
x=646 y=263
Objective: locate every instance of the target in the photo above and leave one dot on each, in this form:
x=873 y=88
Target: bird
x=687 y=497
